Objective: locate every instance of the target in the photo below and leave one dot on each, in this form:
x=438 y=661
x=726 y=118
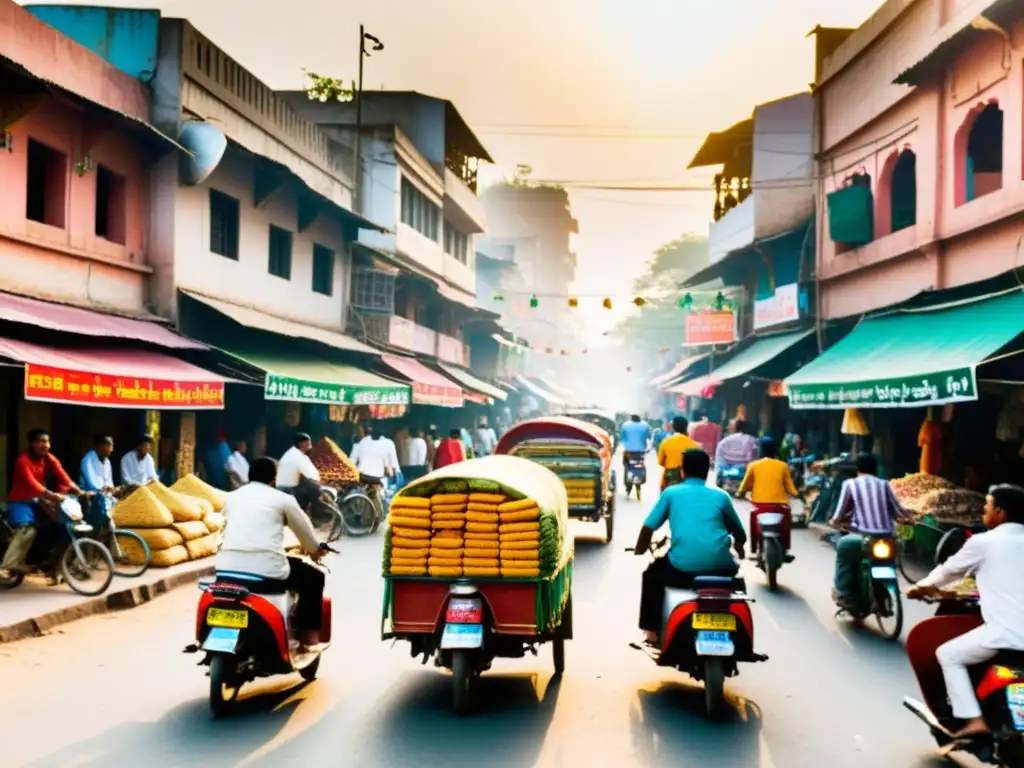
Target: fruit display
x=334 y=466
x=446 y=527
x=911 y=489
x=956 y=506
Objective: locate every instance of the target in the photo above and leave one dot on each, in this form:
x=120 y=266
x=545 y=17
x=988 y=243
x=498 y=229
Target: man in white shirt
x=296 y=473
x=237 y=466
x=484 y=441
x=995 y=559
x=417 y=466
x=372 y=455
x=137 y=467
x=256 y=515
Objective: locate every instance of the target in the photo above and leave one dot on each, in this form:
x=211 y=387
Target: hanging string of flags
x=688 y=302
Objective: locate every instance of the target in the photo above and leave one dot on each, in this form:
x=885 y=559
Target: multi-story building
x=414 y=283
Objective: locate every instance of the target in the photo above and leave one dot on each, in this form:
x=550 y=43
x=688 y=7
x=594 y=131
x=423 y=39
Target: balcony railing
x=452 y=350
x=463 y=166
x=399 y=332
x=729 y=193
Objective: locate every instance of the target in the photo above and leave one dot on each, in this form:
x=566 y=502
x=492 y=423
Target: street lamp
x=375 y=45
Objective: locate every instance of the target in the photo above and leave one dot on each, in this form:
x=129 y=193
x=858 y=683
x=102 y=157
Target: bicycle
x=117 y=541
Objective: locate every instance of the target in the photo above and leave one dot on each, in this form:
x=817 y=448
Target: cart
x=579 y=453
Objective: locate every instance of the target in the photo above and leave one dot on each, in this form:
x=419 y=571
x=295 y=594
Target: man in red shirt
x=450 y=450
x=29 y=493
x=707 y=433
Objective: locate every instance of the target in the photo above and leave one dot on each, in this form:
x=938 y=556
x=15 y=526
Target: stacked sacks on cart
x=177 y=526
x=498 y=516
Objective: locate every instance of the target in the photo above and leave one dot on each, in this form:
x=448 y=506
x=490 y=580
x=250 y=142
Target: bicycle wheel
x=87 y=567
x=359 y=514
x=127 y=549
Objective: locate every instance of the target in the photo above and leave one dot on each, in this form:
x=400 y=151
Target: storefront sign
x=298 y=390
x=781 y=307
x=910 y=392
x=710 y=328
x=59 y=385
x=436 y=394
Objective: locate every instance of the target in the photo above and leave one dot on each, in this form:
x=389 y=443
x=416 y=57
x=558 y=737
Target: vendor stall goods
x=334 y=466
x=912 y=488
x=479 y=518
x=172 y=537
x=190 y=485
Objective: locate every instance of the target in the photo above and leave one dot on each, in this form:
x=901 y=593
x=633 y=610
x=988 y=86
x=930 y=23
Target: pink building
x=921 y=153
x=74 y=213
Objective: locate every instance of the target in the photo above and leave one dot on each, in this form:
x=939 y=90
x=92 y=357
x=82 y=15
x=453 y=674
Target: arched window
x=903 y=202
x=978 y=153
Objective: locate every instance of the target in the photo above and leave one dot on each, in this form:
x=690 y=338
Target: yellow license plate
x=720 y=621
x=218 y=617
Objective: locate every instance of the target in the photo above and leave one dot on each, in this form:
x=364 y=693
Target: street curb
x=121 y=599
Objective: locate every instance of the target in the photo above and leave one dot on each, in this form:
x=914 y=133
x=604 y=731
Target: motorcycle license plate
x=1015 y=701
x=883 y=572
x=464 y=611
x=714 y=644
x=718 y=621
x=220 y=617
x=461 y=636
x=221 y=640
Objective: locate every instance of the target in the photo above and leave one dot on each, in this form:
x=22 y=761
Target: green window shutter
x=851 y=215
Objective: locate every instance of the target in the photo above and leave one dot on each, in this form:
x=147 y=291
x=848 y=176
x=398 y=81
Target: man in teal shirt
x=703 y=527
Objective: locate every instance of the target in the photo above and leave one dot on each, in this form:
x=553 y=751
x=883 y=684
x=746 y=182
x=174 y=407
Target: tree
x=323 y=88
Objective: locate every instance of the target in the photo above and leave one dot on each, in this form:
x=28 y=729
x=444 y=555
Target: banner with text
x=710 y=328
x=302 y=391
x=937 y=388
x=781 y=307
x=59 y=385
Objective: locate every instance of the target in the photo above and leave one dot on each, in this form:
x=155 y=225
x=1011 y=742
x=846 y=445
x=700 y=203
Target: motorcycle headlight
x=881 y=549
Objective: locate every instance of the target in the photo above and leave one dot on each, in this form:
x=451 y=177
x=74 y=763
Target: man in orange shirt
x=770 y=486
x=671 y=450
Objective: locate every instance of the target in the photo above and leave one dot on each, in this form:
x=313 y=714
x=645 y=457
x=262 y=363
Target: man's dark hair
x=368 y=428
x=1010 y=499
x=301 y=437
x=455 y=434
x=148 y=439
x=680 y=425
x=634 y=417
x=696 y=464
x=102 y=440
x=769 y=448
x=35 y=434
x=741 y=426
x=867 y=463
x=263 y=470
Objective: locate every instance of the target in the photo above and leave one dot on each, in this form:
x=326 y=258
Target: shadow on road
x=187 y=734
x=670 y=727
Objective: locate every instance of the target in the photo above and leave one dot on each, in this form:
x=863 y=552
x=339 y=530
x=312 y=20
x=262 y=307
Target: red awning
x=114 y=378
x=428 y=387
x=60 y=317
x=698 y=387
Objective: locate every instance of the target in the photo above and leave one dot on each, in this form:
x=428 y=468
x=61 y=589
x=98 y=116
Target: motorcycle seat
x=258 y=585
x=369 y=479
x=736 y=584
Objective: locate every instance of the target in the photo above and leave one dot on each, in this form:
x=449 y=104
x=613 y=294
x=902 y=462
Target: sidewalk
x=34 y=608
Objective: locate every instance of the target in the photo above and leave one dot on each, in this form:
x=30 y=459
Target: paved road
x=115 y=690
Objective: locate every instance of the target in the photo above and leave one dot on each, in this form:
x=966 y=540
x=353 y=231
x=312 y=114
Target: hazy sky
x=673 y=69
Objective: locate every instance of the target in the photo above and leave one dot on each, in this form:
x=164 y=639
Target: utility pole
x=358 y=166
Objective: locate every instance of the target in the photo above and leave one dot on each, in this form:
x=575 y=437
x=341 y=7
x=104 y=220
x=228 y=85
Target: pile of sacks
x=180 y=523
x=448 y=535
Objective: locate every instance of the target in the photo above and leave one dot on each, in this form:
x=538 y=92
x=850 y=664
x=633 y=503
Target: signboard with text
x=302 y=391
x=957 y=385
x=60 y=385
x=710 y=328
x=781 y=307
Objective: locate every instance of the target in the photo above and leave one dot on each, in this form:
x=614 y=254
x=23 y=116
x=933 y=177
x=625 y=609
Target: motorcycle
x=244 y=626
x=707 y=630
x=730 y=477
x=879 y=592
x=82 y=562
x=636 y=473
x=771 y=552
x=998 y=684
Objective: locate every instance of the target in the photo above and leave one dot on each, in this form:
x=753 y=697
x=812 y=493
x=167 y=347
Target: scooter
x=730 y=477
x=771 y=553
x=879 y=592
x=636 y=473
x=244 y=626
x=998 y=684
x=706 y=631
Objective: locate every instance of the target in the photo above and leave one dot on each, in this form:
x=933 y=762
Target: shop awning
x=677 y=371
x=428 y=387
x=68 y=319
x=471 y=382
x=910 y=358
x=538 y=391
x=261 y=321
x=310 y=379
x=697 y=387
x=508 y=386
x=114 y=378
x=760 y=352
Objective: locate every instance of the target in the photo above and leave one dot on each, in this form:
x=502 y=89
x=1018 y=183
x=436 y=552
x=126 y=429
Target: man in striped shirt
x=867 y=507
x=738 y=449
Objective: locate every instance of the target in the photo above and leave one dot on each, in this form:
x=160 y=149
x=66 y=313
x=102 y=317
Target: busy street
x=830 y=693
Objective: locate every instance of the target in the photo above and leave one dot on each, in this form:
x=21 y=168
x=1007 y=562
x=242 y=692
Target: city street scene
x=535 y=384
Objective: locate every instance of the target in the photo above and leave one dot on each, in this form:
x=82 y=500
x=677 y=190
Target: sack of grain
x=192 y=530
x=158 y=558
x=183 y=508
x=190 y=485
x=156 y=538
x=214 y=521
x=141 y=509
x=206 y=546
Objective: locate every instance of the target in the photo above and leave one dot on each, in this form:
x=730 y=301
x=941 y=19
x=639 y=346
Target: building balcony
x=396 y=331
x=461 y=205
x=763 y=213
x=452 y=350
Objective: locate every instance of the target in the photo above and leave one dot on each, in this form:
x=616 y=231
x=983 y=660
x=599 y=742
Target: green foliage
x=324 y=89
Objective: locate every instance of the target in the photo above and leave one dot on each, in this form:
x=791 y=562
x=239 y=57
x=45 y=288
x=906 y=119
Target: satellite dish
x=207 y=144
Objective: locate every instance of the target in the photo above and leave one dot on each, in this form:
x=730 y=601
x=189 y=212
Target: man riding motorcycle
x=635 y=436
x=703 y=525
x=257 y=514
x=994 y=558
x=296 y=473
x=671 y=451
x=770 y=485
